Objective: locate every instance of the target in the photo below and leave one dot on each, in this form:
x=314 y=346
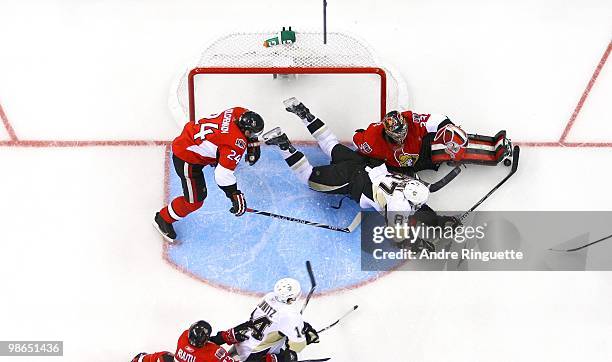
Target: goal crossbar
x=287 y=70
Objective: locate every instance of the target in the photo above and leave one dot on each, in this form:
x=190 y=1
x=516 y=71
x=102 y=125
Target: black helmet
x=251 y=121
x=199 y=332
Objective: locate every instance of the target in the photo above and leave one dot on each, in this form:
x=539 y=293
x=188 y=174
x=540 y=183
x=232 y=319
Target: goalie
x=365 y=180
x=409 y=142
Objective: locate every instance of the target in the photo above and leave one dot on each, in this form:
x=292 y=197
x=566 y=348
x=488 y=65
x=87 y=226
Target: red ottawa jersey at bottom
x=210 y=352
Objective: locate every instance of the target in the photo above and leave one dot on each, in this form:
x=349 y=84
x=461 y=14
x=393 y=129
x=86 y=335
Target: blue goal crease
x=249 y=253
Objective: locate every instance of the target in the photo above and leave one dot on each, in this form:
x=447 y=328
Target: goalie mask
x=395 y=126
x=287 y=290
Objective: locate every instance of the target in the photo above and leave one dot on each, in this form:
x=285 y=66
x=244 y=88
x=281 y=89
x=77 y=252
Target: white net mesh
x=246 y=50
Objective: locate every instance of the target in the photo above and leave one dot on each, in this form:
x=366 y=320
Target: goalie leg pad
x=482 y=150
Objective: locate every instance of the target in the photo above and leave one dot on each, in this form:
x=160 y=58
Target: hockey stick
x=339 y=319
x=583 y=246
x=444 y=180
x=515 y=159
x=315 y=360
x=313 y=285
x=356 y=221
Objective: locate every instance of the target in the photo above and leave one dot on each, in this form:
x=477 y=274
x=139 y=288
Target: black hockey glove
x=420 y=245
x=253 y=152
x=238 y=203
x=449 y=221
x=286 y=355
x=310 y=333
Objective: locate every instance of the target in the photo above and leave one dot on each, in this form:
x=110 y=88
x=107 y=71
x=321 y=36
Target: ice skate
x=278 y=138
x=164 y=228
x=293 y=105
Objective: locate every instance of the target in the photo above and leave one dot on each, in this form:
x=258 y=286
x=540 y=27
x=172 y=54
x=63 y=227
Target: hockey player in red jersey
x=403 y=140
x=409 y=142
x=220 y=141
x=197 y=345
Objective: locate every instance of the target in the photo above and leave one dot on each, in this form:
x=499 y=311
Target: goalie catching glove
x=453 y=138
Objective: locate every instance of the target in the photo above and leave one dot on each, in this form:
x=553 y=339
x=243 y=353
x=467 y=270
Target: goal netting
x=307 y=65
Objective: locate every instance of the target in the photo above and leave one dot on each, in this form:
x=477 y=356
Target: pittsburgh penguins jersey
x=386 y=191
x=276 y=325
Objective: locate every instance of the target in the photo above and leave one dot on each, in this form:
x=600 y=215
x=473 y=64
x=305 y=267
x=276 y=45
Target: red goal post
x=287 y=70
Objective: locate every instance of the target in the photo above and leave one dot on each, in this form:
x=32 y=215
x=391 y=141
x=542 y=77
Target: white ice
x=80 y=262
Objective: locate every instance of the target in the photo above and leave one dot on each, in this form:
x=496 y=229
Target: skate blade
x=169 y=240
x=291 y=102
x=273 y=133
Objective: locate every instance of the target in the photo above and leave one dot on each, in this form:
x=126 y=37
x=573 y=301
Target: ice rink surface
x=83 y=104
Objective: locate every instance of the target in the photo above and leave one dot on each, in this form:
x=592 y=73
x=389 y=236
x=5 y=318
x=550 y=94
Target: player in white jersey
x=278 y=331
x=365 y=180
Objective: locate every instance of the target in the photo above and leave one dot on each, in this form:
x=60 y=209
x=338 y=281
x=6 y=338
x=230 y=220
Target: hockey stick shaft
x=348 y=229
x=585 y=245
x=313 y=285
x=315 y=360
x=339 y=319
x=515 y=161
x=445 y=180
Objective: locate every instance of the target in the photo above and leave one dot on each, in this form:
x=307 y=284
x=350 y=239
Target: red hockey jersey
x=372 y=143
x=212 y=140
x=210 y=352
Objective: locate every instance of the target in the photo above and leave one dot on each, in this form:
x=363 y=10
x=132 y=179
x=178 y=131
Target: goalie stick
x=515 y=160
x=338 y=320
x=313 y=285
x=349 y=229
x=444 y=180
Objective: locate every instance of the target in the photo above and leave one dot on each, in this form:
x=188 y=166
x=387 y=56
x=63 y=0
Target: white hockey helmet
x=409 y=197
x=287 y=290
x=416 y=193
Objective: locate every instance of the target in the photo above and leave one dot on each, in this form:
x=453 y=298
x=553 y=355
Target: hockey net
x=244 y=54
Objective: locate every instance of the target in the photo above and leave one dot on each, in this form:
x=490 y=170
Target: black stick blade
x=313 y=283
x=515 y=158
